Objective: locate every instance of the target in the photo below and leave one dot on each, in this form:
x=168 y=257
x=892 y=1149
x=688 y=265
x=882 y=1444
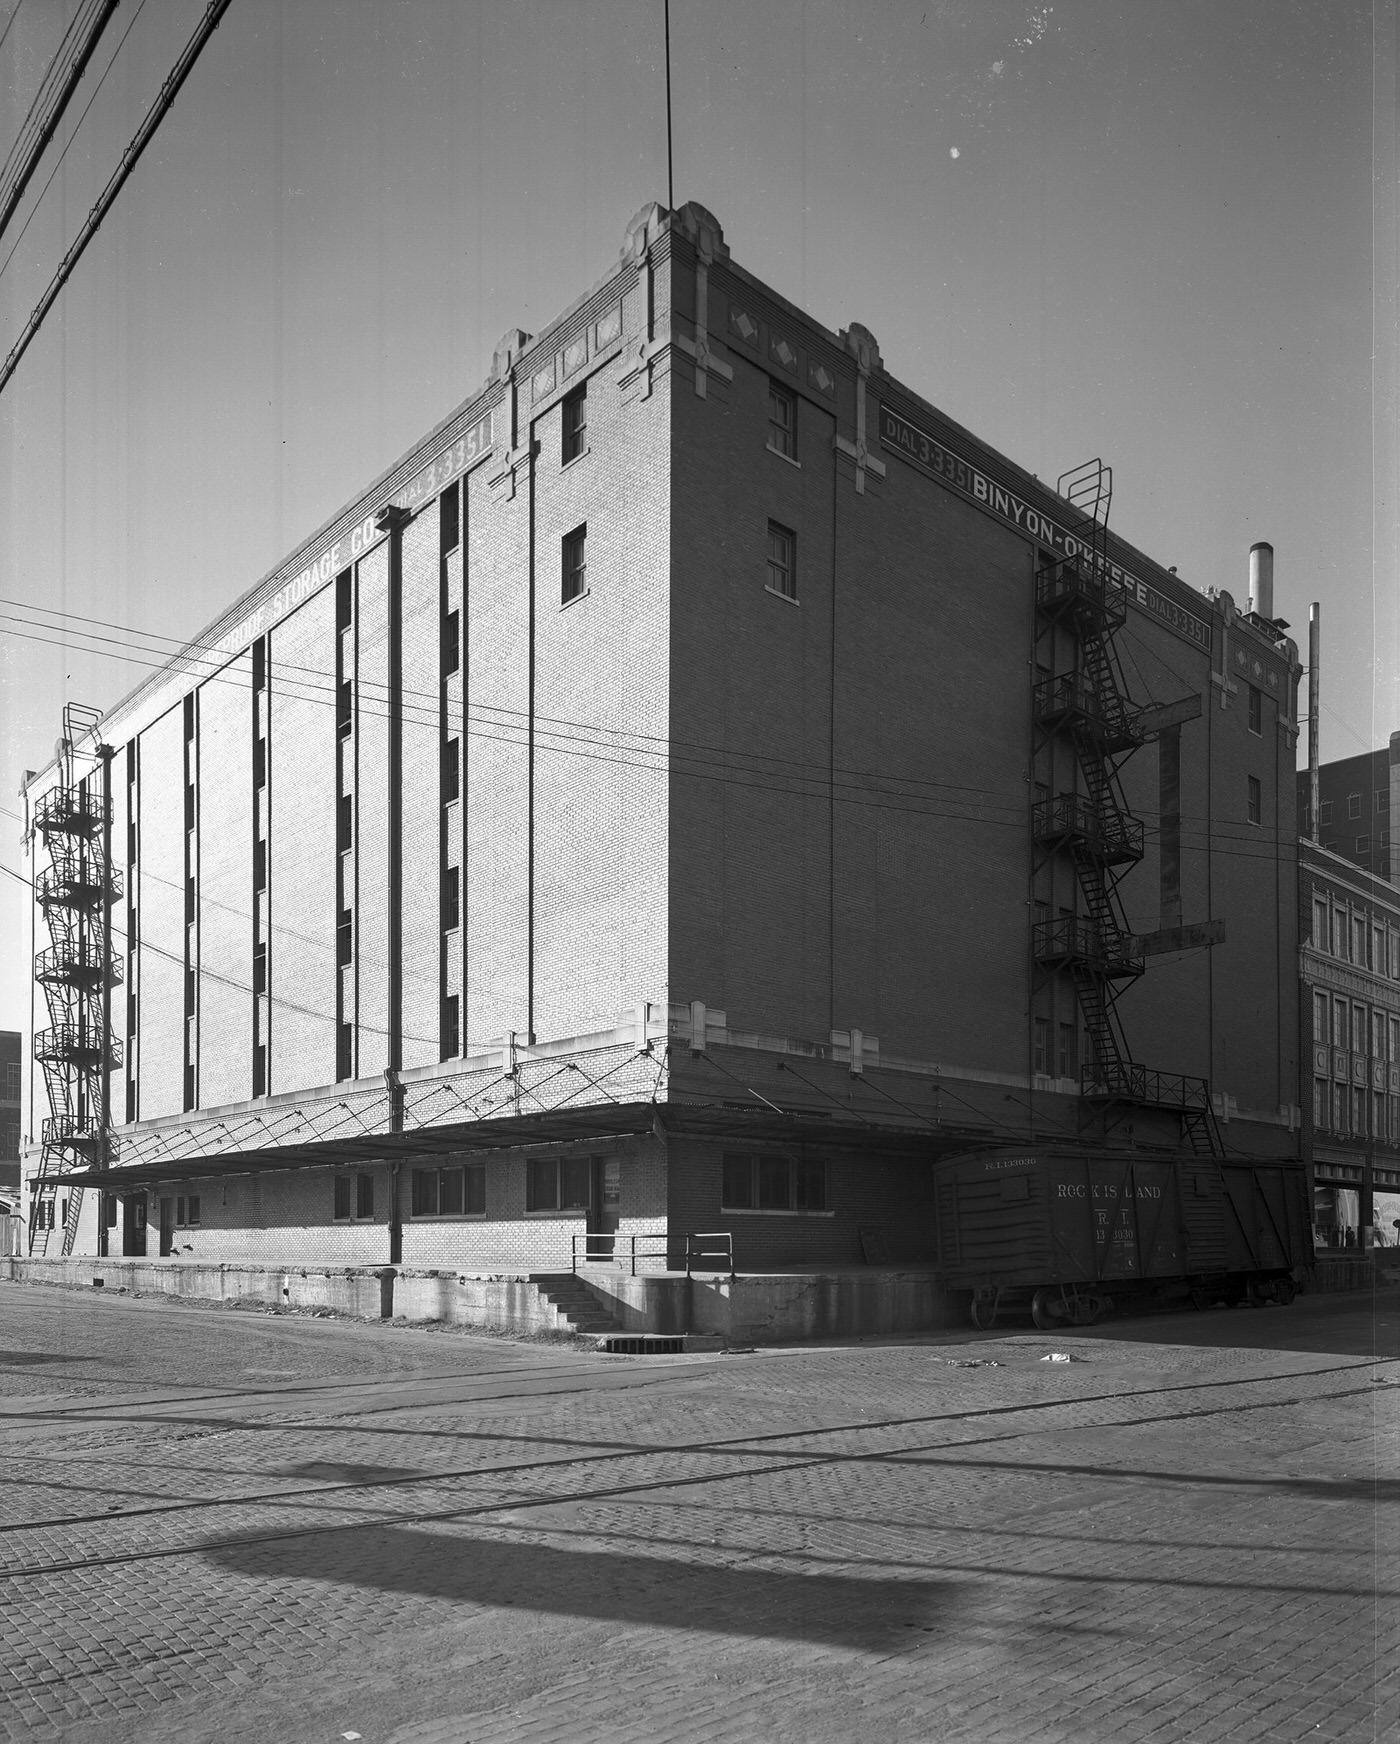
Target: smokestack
x=1261 y=580
x=1314 y=659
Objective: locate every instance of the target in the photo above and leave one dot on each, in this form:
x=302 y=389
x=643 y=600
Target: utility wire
x=48 y=182
x=854 y=787
x=10 y=22
x=129 y=160
x=47 y=111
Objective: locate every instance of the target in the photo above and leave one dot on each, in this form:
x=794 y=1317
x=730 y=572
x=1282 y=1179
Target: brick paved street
x=228 y=1526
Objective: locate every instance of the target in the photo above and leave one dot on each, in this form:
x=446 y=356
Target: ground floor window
x=766 y=1182
x=558 y=1183
x=354 y=1197
x=187 y=1211
x=459 y=1191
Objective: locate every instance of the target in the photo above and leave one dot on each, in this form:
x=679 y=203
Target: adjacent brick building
x=696 y=787
x=1349 y=922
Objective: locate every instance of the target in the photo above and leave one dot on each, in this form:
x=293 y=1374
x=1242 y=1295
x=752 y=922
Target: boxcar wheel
x=1283 y=1291
x=1258 y=1293
x=1044 y=1311
x=984 y=1313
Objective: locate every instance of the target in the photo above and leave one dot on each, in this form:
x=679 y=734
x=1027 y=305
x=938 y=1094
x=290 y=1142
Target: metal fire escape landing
x=77 y=972
x=1084 y=705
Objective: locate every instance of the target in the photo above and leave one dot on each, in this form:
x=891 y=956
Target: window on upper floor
x=1256 y=709
x=782 y=420
x=13 y=1077
x=575 y=425
x=1319 y=925
x=1324 y=813
x=573 y=582
x=1254 y=800
x=782 y=560
x=1353 y=805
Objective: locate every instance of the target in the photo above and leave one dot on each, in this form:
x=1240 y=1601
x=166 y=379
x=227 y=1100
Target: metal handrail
x=589 y=1246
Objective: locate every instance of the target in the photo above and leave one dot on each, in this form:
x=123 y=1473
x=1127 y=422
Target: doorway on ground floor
x=604 y=1207
x=134 y=1224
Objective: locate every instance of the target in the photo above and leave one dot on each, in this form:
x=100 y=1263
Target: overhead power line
x=130 y=158
x=54 y=94
x=77 y=126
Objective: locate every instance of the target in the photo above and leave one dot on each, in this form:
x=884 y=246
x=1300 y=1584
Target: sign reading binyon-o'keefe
x=951 y=469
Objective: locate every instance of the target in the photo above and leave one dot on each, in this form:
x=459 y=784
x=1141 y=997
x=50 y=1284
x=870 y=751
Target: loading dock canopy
x=586 y=1125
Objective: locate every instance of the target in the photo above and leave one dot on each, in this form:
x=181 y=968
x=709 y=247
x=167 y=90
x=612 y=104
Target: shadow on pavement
x=605 y=1585
x=1360 y=1323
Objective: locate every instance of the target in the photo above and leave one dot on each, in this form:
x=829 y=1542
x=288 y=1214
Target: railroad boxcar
x=1065 y=1232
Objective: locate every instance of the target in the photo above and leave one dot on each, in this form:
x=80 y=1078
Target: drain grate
x=641 y=1344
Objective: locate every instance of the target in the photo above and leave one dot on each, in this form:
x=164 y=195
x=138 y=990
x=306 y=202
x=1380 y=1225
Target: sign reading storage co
x=473 y=445
x=951 y=469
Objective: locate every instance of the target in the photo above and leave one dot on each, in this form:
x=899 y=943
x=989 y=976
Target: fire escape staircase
x=1089 y=706
x=77 y=972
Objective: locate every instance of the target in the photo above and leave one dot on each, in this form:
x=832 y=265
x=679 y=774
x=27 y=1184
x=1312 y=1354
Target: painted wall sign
x=950 y=469
x=473 y=445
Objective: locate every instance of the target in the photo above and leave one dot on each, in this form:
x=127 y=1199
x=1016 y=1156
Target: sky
x=1161 y=234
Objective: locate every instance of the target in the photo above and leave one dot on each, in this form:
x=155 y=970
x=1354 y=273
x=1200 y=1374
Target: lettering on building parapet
x=951 y=469
x=470 y=447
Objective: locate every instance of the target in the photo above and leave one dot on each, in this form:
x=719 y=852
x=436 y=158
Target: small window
x=344 y=825
x=1064 y=1059
x=344 y=940
x=782 y=420
x=1324 y=813
x=1353 y=805
x=344 y=1051
x=192 y=1211
x=1383 y=801
x=1256 y=709
x=772 y=1183
x=1040 y=1045
x=1363 y=844
x=450 y=1044
x=574 y=566
x=575 y=416
x=451 y=771
x=12 y=1080
x=782 y=560
x=451 y=1192
x=451 y=643
x=451 y=899
x=1254 y=801
x=354 y=1198
x=1319 y=925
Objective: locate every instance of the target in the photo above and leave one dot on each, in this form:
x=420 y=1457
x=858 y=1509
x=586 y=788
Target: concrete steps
x=578 y=1307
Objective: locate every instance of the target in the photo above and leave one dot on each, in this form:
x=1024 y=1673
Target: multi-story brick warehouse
x=696 y=787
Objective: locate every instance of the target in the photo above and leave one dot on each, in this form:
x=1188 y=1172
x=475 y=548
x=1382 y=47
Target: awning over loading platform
x=579 y=1125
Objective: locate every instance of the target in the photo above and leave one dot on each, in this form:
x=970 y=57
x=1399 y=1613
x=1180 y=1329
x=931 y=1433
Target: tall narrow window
x=450 y=1040
x=1040 y=1045
x=575 y=415
x=1254 y=801
x=451 y=899
x=451 y=771
x=451 y=643
x=782 y=560
x=449 y=518
x=1256 y=709
x=574 y=580
x=782 y=420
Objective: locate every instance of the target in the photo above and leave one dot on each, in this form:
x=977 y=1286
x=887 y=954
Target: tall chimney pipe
x=1314 y=659
x=1261 y=580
